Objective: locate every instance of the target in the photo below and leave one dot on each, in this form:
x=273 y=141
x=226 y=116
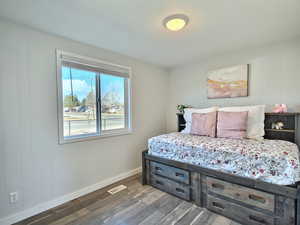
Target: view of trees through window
x=112 y=102
x=81 y=114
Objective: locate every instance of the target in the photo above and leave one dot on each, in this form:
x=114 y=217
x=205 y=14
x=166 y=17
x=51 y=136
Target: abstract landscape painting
x=228 y=82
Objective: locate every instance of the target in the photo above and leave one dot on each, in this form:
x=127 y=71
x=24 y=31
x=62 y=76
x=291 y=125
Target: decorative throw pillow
x=204 y=124
x=232 y=124
x=188 y=117
x=256 y=118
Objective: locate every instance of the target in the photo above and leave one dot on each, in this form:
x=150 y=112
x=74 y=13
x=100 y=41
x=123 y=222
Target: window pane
x=112 y=102
x=79 y=93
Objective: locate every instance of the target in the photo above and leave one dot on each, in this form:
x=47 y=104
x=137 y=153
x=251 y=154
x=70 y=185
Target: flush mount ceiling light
x=175 y=22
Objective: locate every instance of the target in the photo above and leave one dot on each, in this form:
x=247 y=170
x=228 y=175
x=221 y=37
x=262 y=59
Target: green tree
x=71 y=101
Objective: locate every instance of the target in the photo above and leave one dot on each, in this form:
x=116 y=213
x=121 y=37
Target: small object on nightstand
x=280 y=108
x=278 y=125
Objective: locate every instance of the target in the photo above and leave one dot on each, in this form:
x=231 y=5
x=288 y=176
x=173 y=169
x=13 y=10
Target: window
x=93 y=98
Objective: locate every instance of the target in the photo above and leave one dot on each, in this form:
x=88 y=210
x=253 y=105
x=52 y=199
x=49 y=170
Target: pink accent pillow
x=204 y=124
x=232 y=124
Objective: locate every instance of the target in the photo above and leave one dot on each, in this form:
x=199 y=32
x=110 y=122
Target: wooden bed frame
x=248 y=201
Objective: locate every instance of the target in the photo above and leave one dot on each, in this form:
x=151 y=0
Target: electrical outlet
x=13 y=197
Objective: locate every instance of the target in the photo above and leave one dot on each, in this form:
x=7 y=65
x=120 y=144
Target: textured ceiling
x=134 y=27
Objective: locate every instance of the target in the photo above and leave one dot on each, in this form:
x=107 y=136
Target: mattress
x=272 y=161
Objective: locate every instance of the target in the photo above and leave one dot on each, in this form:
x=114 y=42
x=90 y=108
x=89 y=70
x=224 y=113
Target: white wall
x=31 y=161
x=274 y=78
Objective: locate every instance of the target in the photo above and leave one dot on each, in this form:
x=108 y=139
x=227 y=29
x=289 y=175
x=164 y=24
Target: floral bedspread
x=272 y=161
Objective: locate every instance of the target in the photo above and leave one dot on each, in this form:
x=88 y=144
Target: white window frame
x=102 y=67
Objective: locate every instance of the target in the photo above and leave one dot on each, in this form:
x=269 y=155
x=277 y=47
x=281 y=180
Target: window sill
x=105 y=134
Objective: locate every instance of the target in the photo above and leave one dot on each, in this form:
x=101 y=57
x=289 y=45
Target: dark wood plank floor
x=137 y=205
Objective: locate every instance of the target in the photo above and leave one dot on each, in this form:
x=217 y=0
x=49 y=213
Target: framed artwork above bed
x=229 y=82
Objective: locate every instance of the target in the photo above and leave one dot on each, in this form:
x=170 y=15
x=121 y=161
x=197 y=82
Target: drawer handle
x=257 y=219
x=179 y=174
x=159 y=182
x=218 y=186
x=158 y=168
x=218 y=205
x=179 y=190
x=257 y=198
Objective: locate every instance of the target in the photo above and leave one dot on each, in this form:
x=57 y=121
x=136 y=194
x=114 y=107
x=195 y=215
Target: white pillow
x=188 y=117
x=256 y=118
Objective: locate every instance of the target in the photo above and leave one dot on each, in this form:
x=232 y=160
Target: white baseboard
x=63 y=199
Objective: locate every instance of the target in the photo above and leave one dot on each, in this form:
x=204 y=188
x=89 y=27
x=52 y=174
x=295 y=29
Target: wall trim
x=65 y=198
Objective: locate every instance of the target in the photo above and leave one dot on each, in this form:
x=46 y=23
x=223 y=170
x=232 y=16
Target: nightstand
x=289 y=123
x=180 y=122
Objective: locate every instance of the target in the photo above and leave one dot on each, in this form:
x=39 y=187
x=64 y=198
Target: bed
x=273 y=161
x=252 y=182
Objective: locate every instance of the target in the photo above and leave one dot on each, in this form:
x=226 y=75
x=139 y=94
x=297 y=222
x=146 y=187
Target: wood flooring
x=137 y=205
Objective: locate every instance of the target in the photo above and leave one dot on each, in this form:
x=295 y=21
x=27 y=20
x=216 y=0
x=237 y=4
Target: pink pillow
x=232 y=124
x=204 y=124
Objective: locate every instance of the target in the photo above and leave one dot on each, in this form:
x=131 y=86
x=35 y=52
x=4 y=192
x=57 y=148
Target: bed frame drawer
x=242 y=214
x=172 y=187
x=240 y=193
x=170 y=172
